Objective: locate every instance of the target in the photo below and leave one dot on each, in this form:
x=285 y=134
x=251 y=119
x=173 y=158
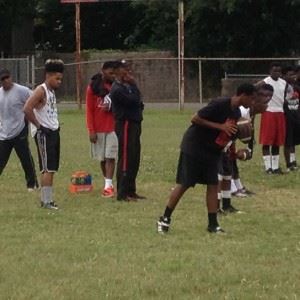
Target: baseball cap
x=4 y=73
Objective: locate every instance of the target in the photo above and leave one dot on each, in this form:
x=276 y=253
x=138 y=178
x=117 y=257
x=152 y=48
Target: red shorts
x=272 y=128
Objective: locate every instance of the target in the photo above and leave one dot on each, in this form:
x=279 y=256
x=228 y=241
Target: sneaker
x=247 y=192
x=50 y=205
x=163 y=224
x=108 y=193
x=231 y=210
x=240 y=193
x=215 y=229
x=278 y=171
x=269 y=171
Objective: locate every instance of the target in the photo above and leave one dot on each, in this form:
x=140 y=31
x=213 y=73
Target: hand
x=93 y=138
x=43 y=130
x=229 y=128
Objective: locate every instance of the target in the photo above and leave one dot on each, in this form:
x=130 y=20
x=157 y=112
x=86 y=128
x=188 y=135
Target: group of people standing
x=114 y=113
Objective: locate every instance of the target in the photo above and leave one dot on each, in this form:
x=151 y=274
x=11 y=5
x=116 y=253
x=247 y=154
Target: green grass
x=95 y=248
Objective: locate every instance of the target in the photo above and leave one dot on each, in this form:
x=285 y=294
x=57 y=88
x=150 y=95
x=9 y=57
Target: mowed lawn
x=95 y=248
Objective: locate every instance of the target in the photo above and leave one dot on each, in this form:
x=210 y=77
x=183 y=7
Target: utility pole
x=181 y=53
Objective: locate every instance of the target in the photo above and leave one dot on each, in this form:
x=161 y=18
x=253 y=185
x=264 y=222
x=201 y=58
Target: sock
x=46 y=194
x=275 y=162
x=238 y=184
x=292 y=157
x=267 y=162
x=212 y=220
x=108 y=183
x=233 y=186
x=219 y=199
x=168 y=212
x=226 y=202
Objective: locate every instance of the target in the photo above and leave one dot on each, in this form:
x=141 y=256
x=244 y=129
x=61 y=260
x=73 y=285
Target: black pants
x=129 y=155
x=21 y=146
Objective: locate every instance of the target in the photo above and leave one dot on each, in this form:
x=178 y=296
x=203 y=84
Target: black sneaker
x=231 y=210
x=247 y=192
x=278 y=171
x=50 y=205
x=163 y=224
x=215 y=229
x=269 y=171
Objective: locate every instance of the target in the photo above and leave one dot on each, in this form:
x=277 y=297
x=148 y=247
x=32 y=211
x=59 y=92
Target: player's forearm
x=203 y=122
x=30 y=116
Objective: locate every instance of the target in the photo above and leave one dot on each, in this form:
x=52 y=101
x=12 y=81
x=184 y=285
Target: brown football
x=243 y=154
x=244 y=133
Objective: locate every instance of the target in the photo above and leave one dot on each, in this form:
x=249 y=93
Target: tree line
x=212 y=27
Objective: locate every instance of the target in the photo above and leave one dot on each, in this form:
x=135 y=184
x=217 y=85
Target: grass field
x=95 y=248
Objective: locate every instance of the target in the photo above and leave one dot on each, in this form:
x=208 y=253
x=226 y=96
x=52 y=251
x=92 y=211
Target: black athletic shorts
x=48 y=146
x=191 y=171
x=292 y=137
x=225 y=165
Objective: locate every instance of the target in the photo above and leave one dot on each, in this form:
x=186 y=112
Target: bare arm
x=228 y=127
x=36 y=100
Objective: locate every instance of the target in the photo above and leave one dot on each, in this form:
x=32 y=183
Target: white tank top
x=47 y=115
x=276 y=103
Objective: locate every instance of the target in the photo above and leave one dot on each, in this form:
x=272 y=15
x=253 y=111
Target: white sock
x=275 y=162
x=219 y=196
x=292 y=157
x=108 y=183
x=238 y=184
x=233 y=186
x=46 y=194
x=267 y=161
x=226 y=194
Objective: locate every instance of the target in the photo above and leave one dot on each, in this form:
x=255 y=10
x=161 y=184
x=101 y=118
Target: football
x=243 y=154
x=244 y=133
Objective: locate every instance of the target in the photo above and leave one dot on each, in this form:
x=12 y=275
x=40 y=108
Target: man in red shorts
x=272 y=126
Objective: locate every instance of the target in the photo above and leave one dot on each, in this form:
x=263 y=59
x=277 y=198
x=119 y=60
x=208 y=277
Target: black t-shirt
x=206 y=143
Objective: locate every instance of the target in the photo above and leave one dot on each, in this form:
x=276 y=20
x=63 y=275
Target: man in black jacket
x=127 y=108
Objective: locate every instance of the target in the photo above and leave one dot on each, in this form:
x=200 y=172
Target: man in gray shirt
x=14 y=128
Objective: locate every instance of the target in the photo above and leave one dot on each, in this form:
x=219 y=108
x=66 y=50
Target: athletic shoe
x=247 y=192
x=108 y=192
x=137 y=196
x=269 y=171
x=278 y=171
x=231 y=210
x=50 y=205
x=163 y=224
x=240 y=193
x=215 y=229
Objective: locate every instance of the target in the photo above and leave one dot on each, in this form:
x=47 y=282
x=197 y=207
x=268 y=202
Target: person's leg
x=5 y=151
x=121 y=129
x=275 y=160
x=22 y=149
x=164 y=221
x=267 y=158
x=287 y=156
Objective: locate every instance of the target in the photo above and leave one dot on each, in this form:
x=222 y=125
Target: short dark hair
x=54 y=66
x=275 y=64
x=120 y=64
x=265 y=86
x=108 y=65
x=287 y=69
x=4 y=73
x=245 y=88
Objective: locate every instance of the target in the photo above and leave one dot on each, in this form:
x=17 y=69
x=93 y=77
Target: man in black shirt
x=127 y=108
x=213 y=127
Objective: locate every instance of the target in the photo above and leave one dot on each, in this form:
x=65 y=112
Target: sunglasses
x=5 y=77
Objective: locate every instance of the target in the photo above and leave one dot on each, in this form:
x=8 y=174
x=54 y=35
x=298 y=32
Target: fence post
x=200 y=82
x=27 y=71
x=32 y=71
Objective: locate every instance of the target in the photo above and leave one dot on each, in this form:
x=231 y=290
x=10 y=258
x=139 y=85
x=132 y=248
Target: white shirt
x=276 y=103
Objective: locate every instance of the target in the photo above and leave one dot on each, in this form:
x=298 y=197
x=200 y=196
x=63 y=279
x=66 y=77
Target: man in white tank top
x=41 y=111
x=272 y=126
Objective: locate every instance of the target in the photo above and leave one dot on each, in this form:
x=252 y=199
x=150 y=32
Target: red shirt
x=98 y=120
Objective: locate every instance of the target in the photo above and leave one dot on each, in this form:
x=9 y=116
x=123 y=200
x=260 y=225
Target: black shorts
x=292 y=136
x=191 y=171
x=48 y=146
x=225 y=165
